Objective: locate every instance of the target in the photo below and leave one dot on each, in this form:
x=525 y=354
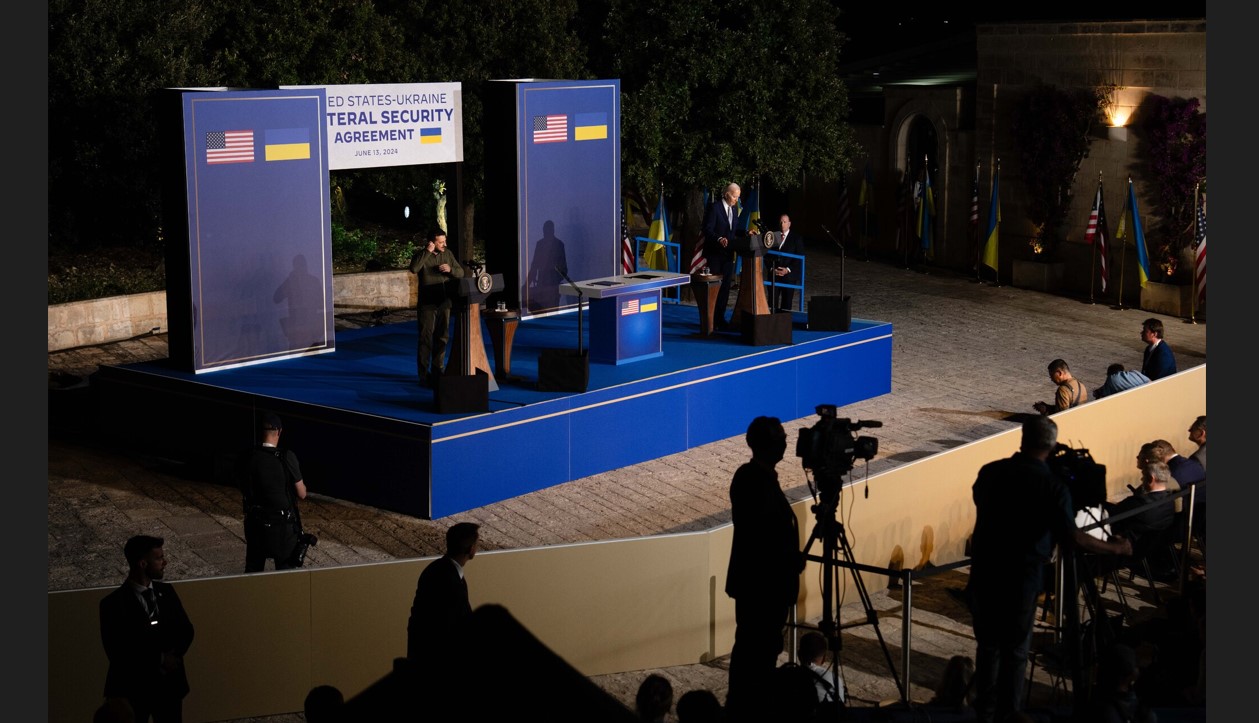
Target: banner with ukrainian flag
x=395 y=124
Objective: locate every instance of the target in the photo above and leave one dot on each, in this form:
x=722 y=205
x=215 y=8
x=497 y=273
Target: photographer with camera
x=271 y=483
x=764 y=572
x=1022 y=508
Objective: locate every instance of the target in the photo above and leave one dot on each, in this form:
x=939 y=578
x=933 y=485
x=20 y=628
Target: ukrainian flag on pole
x=1138 y=238
x=926 y=212
x=656 y=256
x=994 y=222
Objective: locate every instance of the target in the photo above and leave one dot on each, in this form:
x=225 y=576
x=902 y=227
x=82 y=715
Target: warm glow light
x=1119 y=115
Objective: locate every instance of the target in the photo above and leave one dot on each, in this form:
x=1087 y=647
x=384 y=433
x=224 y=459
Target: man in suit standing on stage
x=763 y=576
x=783 y=269
x=721 y=224
x=435 y=264
x=146 y=633
x=441 y=608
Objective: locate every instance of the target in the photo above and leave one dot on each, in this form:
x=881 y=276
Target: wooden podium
x=704 y=287
x=502 y=326
x=752 y=314
x=468 y=379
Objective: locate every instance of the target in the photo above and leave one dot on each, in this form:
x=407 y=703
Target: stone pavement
x=966 y=358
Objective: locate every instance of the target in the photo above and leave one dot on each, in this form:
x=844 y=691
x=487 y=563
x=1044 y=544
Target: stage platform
x=366 y=431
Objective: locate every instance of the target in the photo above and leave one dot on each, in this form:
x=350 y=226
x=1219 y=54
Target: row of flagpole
x=1097 y=234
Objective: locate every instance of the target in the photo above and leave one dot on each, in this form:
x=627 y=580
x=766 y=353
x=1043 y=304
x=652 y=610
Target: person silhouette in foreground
x=146 y=634
x=441 y=609
x=763 y=576
x=1022 y=509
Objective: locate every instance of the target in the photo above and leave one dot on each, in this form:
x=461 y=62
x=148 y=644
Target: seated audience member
x=812 y=655
x=1071 y=391
x=1157 y=361
x=1152 y=514
x=1119 y=379
x=700 y=706
x=654 y=698
x=1198 y=435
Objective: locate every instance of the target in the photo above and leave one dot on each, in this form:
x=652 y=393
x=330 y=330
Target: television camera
x=1085 y=479
x=831 y=446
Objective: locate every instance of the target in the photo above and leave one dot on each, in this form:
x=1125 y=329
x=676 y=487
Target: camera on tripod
x=831 y=446
x=1084 y=478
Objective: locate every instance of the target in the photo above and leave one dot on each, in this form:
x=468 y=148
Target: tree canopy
x=711 y=91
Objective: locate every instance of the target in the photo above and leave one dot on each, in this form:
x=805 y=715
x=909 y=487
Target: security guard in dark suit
x=271 y=482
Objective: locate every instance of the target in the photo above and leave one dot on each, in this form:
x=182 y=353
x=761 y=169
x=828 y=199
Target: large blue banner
x=569 y=184
x=259 y=232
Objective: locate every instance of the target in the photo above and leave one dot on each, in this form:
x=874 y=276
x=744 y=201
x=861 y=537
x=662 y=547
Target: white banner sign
x=403 y=124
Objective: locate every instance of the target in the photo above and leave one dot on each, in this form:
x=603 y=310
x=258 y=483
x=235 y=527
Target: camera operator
x=764 y=572
x=1021 y=509
x=271 y=483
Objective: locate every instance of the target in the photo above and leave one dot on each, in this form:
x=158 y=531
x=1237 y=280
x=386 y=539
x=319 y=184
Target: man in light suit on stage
x=722 y=223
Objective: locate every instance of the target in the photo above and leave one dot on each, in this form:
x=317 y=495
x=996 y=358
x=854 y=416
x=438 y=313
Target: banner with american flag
x=1200 y=254
x=1097 y=233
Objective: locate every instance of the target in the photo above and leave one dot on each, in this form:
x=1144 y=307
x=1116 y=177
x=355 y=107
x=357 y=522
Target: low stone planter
x=1038 y=275
x=1169 y=299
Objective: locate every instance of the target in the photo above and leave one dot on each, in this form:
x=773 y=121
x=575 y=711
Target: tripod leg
x=872 y=617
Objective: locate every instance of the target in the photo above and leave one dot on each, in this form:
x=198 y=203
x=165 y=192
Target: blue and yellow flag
x=753 y=206
x=1138 y=238
x=867 y=186
x=994 y=222
x=656 y=256
x=926 y=213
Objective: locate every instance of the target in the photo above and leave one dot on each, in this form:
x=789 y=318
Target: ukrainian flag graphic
x=430 y=135
x=287 y=144
x=590 y=126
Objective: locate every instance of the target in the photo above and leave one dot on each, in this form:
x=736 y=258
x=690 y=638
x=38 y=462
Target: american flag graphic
x=550 y=128
x=229 y=147
x=1200 y=256
x=629 y=307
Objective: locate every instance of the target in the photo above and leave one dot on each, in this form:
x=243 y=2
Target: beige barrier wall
x=264 y=640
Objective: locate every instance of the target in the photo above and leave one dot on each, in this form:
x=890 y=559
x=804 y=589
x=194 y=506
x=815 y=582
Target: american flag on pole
x=1097 y=232
x=698 y=261
x=229 y=147
x=974 y=204
x=627 y=247
x=550 y=128
x=1200 y=255
x=845 y=213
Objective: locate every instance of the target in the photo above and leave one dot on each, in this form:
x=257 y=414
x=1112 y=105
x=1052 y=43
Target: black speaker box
x=830 y=313
x=766 y=329
x=460 y=393
x=563 y=370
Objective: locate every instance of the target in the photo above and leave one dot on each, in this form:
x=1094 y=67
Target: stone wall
x=98 y=321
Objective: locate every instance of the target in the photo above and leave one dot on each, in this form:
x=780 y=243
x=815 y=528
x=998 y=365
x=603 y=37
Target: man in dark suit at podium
x=721 y=224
